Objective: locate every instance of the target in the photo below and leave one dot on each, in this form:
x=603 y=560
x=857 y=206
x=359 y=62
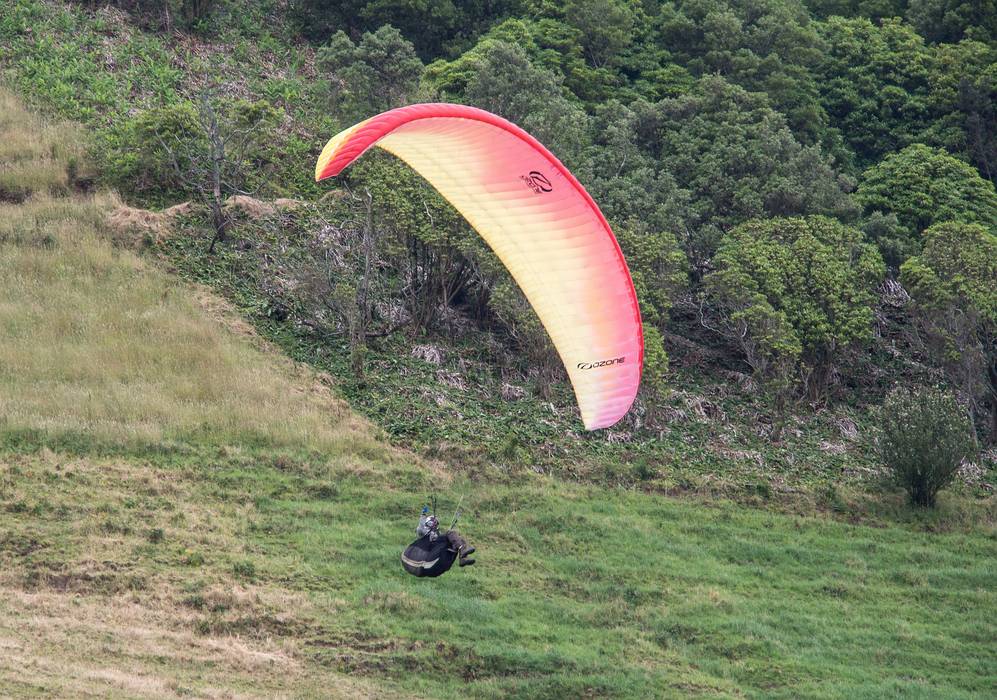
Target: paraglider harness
x=434 y=553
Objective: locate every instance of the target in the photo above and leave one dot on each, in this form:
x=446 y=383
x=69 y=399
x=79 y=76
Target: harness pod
x=426 y=558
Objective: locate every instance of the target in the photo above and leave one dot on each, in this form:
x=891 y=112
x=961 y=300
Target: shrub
x=923 y=186
x=245 y=569
x=925 y=435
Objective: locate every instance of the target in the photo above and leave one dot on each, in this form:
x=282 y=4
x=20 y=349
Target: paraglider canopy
x=540 y=222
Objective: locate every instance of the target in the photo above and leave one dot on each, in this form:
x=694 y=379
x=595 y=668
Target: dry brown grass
x=88 y=607
x=97 y=342
x=55 y=644
x=34 y=154
x=250 y=207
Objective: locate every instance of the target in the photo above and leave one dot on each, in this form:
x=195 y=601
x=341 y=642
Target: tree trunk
x=992 y=374
x=358 y=330
x=219 y=220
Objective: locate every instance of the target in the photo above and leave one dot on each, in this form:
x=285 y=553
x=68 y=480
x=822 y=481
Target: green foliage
x=654 y=378
x=605 y=27
x=874 y=84
x=528 y=336
x=963 y=99
x=157 y=149
x=499 y=77
x=952 y=20
x=953 y=283
x=796 y=293
x=658 y=267
x=870 y=9
x=736 y=159
x=771 y=47
x=432 y=25
x=674 y=155
x=922 y=186
x=168 y=150
x=377 y=74
x=957 y=268
x=924 y=437
x=188 y=14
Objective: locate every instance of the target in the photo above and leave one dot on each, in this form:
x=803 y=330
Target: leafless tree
x=213 y=163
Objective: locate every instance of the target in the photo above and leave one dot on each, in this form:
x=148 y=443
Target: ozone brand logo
x=601 y=363
x=537 y=182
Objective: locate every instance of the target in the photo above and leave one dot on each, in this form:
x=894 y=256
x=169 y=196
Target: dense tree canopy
x=952 y=20
x=795 y=293
x=735 y=159
x=922 y=186
x=770 y=46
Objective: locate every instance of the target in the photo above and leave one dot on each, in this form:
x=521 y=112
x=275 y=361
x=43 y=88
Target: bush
x=925 y=436
x=922 y=186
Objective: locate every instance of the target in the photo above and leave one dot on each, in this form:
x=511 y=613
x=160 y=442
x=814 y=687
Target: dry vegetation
x=91 y=603
x=144 y=364
x=35 y=156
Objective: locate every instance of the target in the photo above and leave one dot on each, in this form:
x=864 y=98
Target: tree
x=769 y=46
x=924 y=437
x=963 y=80
x=978 y=105
x=377 y=74
x=949 y=21
x=733 y=158
x=499 y=77
x=317 y=20
x=653 y=380
x=794 y=293
x=874 y=84
x=606 y=27
x=953 y=283
x=434 y=254
x=658 y=267
x=436 y=27
x=210 y=150
x=328 y=268
x=870 y=9
x=659 y=270
x=922 y=186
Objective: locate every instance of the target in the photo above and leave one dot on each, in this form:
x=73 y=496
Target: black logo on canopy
x=537 y=181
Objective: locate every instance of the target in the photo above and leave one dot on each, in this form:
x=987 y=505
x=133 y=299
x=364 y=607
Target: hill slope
x=187 y=513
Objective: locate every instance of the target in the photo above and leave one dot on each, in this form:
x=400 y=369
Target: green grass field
x=188 y=513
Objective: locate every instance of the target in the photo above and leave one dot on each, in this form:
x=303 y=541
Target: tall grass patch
x=35 y=156
x=98 y=346
x=96 y=343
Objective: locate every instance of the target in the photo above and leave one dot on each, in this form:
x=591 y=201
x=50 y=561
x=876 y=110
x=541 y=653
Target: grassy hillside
x=478 y=402
x=188 y=513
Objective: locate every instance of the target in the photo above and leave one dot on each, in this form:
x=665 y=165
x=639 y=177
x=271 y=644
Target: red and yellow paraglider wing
x=540 y=222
